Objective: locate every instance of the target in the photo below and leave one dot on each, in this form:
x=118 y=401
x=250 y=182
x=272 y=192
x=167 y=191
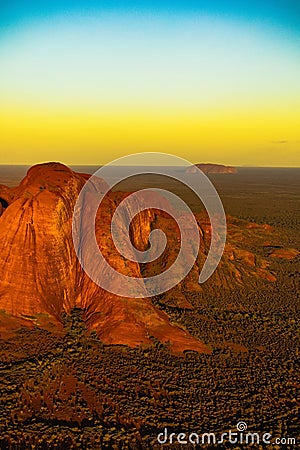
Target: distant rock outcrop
x=284 y=253
x=211 y=168
x=40 y=275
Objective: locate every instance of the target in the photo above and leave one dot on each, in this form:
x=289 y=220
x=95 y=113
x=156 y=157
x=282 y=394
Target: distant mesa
x=41 y=278
x=284 y=253
x=211 y=168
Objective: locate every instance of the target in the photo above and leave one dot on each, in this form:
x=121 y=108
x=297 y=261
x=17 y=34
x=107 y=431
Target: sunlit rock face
x=37 y=270
x=40 y=275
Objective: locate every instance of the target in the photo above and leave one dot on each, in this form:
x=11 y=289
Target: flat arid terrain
x=82 y=368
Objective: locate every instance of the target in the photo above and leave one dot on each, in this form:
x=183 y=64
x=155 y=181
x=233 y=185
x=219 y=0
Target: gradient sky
x=211 y=81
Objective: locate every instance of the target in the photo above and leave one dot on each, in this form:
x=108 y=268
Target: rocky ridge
x=41 y=278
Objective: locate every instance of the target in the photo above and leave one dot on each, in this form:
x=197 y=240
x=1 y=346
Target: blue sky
x=282 y=13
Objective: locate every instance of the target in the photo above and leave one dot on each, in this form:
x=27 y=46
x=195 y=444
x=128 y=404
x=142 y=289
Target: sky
x=85 y=82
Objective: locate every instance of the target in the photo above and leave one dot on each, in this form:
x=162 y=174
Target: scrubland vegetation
x=71 y=391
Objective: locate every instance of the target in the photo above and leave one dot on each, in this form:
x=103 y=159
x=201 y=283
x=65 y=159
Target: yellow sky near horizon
x=249 y=137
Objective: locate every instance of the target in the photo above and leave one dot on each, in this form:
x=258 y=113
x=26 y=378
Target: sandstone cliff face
x=37 y=270
x=211 y=168
x=40 y=273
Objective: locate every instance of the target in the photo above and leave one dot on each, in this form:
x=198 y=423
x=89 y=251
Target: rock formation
x=211 y=168
x=284 y=253
x=41 y=278
x=40 y=273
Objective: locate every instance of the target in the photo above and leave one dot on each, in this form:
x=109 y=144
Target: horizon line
x=137 y=165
